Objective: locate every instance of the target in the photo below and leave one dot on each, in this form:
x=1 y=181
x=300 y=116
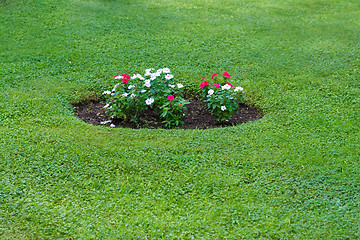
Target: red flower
x=125 y=80
x=170 y=97
x=203 y=84
x=115 y=76
x=126 y=76
x=203 y=78
x=108 y=85
x=226 y=75
x=230 y=84
x=214 y=75
x=216 y=85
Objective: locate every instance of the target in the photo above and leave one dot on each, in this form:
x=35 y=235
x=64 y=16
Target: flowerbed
x=197 y=116
x=128 y=97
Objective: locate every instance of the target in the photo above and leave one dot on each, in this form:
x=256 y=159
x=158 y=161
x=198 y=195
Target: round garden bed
x=196 y=116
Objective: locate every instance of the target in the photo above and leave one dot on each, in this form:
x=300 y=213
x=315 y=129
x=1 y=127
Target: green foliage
x=157 y=90
x=294 y=174
x=173 y=111
x=222 y=97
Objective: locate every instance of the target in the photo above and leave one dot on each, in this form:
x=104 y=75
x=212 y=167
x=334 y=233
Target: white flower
x=113 y=94
x=147 y=83
x=179 y=85
x=166 y=70
x=142 y=91
x=148 y=72
x=115 y=87
x=107 y=105
x=149 y=101
x=105 y=122
x=172 y=86
x=119 y=77
x=106 y=92
x=132 y=95
x=153 y=77
x=226 y=86
x=137 y=76
x=112 y=125
x=210 y=92
x=169 y=76
x=125 y=94
x=238 y=89
x=223 y=108
x=131 y=86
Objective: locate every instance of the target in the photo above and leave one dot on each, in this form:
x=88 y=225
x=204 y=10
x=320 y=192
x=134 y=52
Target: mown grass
x=292 y=174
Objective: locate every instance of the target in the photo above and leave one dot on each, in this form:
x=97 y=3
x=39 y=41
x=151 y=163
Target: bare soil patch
x=196 y=116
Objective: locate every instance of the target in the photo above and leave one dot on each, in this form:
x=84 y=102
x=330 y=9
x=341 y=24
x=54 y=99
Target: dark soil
x=196 y=116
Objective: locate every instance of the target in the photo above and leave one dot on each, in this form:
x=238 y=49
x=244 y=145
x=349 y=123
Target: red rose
x=226 y=75
x=214 y=75
x=216 y=85
x=170 y=97
x=230 y=84
x=203 y=84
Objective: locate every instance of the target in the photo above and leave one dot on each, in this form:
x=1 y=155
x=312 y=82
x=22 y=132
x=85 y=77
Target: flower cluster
x=155 y=89
x=222 y=98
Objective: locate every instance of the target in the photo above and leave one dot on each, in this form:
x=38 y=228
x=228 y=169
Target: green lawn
x=294 y=174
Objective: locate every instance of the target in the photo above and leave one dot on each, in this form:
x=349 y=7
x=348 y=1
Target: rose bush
x=221 y=96
x=155 y=90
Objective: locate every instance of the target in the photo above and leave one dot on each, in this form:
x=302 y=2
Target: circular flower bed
x=156 y=100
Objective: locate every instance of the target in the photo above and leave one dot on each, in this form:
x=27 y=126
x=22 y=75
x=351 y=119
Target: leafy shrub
x=155 y=90
x=221 y=96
